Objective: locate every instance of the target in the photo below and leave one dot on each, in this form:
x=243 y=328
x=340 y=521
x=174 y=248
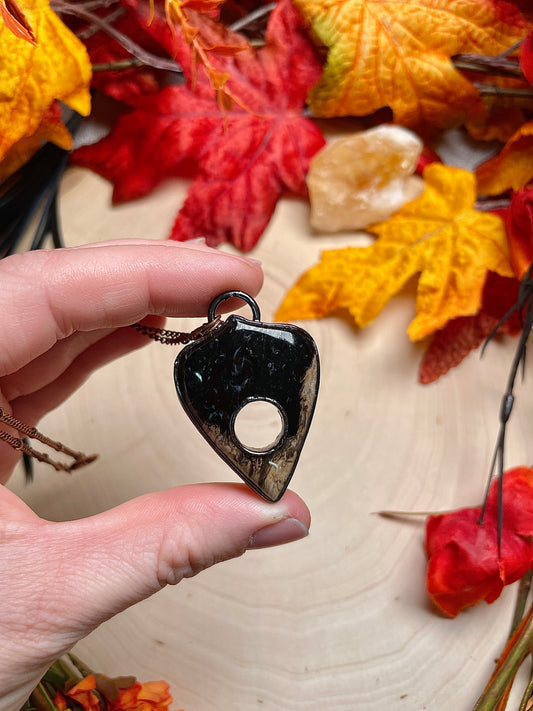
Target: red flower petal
x=464 y=564
x=526 y=58
x=519 y=223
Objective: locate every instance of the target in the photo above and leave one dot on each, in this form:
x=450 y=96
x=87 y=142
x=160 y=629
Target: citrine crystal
x=363 y=178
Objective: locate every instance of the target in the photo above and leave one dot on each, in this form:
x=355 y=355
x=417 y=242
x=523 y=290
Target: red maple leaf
x=246 y=156
x=464 y=563
x=449 y=346
x=526 y=58
x=125 y=84
x=519 y=224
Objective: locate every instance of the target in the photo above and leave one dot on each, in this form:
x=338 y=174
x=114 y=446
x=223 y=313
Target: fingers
x=83 y=352
x=96 y=567
x=31 y=407
x=48 y=295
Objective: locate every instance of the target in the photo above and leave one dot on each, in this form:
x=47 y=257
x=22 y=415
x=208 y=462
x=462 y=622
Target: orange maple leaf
x=512 y=168
x=35 y=75
x=398 y=54
x=439 y=236
x=15 y=20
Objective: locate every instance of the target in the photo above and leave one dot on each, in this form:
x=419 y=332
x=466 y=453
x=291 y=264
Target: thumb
x=96 y=567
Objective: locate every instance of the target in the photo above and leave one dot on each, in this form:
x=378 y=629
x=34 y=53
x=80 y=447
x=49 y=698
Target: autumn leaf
x=246 y=156
x=34 y=76
x=15 y=20
x=519 y=223
x=464 y=563
x=398 y=55
x=124 y=84
x=50 y=129
x=450 y=345
x=526 y=58
x=439 y=236
x=512 y=167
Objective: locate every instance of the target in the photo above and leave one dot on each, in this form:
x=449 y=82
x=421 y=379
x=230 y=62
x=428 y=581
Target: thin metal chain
x=162 y=335
x=176 y=338
x=79 y=459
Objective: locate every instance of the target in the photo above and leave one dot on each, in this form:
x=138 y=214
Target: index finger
x=48 y=295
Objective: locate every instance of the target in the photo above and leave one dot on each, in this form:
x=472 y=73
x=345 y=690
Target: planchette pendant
x=243 y=361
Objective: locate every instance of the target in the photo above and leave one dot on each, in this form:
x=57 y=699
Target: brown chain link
x=176 y=338
x=80 y=459
x=162 y=335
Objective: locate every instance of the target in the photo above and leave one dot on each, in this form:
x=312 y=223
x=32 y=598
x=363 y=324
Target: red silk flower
x=519 y=224
x=463 y=562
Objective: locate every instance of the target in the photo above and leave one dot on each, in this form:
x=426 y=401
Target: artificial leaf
x=500 y=123
x=33 y=76
x=50 y=129
x=519 y=222
x=526 y=58
x=398 y=55
x=124 y=84
x=464 y=563
x=246 y=156
x=439 y=236
x=450 y=345
x=512 y=168
x=16 y=21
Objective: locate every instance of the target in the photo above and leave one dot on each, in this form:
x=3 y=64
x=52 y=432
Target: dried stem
x=524 y=589
x=120 y=65
x=516 y=650
x=526 y=697
x=490 y=90
x=523 y=305
x=252 y=17
x=152 y=60
x=488 y=204
x=499 y=65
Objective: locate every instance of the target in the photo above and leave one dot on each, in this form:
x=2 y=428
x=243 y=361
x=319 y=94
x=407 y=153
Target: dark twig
x=524 y=305
x=490 y=90
x=499 y=65
x=152 y=60
x=492 y=203
x=251 y=17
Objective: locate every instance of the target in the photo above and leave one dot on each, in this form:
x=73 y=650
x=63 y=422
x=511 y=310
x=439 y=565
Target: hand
x=64 y=314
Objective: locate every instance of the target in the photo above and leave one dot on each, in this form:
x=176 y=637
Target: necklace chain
x=21 y=444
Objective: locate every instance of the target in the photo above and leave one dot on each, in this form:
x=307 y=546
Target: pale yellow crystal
x=363 y=178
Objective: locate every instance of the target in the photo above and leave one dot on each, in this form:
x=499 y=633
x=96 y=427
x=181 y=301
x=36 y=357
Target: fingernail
x=286 y=531
x=198 y=240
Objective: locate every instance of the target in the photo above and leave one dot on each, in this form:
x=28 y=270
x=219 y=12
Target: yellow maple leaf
x=397 y=54
x=439 y=236
x=50 y=129
x=512 y=168
x=32 y=76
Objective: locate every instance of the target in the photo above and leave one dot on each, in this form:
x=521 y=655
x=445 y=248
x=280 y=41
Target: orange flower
x=83 y=694
x=152 y=696
x=60 y=702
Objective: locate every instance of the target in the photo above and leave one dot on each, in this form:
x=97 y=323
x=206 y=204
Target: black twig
x=524 y=305
x=152 y=60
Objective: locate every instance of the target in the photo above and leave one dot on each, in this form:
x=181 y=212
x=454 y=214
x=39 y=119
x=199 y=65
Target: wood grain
x=339 y=621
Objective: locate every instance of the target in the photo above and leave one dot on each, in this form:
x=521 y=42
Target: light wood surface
x=340 y=620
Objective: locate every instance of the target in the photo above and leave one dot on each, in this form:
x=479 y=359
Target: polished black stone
x=242 y=361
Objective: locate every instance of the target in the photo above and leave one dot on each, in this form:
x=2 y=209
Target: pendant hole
x=259 y=426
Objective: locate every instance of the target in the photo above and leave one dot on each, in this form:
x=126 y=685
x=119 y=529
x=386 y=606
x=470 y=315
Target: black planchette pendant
x=242 y=361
